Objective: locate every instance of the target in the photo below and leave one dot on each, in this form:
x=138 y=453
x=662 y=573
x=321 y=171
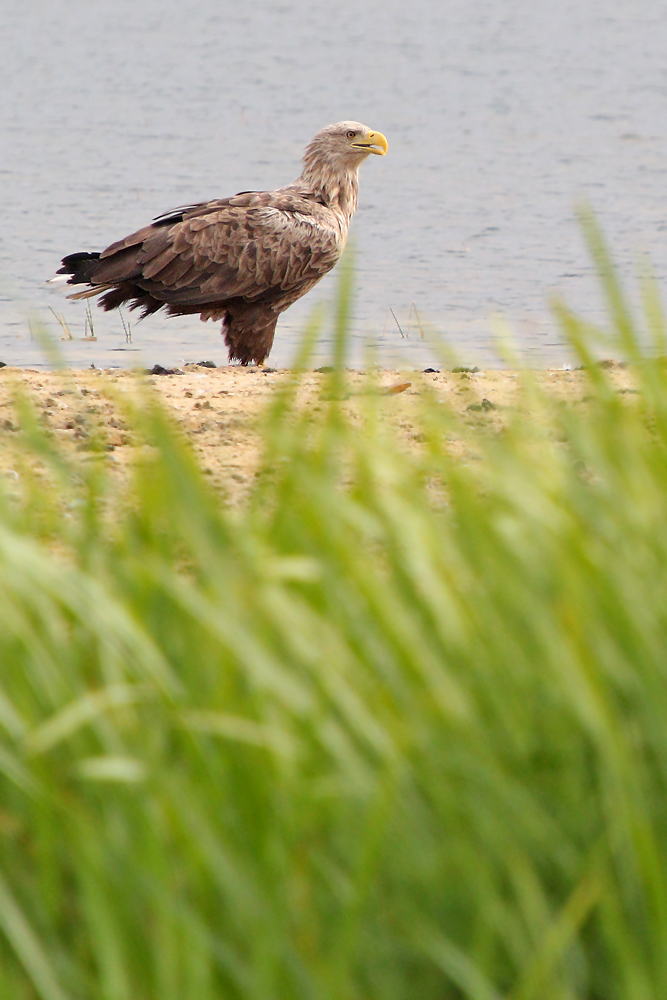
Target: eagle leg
x=249 y=334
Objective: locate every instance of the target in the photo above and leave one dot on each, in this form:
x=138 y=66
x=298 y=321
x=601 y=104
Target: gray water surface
x=500 y=114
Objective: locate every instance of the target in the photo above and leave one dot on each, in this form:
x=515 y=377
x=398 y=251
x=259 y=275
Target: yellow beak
x=374 y=142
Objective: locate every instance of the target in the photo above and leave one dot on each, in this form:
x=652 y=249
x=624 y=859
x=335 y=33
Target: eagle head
x=345 y=144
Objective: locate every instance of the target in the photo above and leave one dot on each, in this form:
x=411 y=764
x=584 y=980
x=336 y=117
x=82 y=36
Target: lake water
x=500 y=114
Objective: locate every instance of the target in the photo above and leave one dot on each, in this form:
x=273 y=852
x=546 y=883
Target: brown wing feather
x=250 y=246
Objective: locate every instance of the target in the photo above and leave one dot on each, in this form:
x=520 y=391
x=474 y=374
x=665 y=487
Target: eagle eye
x=351 y=134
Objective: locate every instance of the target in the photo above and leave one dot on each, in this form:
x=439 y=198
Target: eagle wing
x=259 y=246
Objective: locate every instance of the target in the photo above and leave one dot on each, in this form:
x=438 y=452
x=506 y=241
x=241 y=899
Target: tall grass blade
x=27 y=946
x=395 y=726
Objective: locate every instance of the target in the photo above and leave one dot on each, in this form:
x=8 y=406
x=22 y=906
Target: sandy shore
x=218 y=409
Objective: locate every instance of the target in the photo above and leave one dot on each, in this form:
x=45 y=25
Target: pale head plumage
x=345 y=144
x=332 y=160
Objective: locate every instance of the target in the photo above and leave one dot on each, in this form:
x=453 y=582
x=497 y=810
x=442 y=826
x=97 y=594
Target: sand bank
x=218 y=408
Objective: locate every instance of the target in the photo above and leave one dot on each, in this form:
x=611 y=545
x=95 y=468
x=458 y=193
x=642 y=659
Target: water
x=499 y=115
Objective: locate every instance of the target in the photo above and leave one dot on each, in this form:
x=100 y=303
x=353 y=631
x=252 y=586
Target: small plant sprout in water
x=413 y=309
x=89 y=329
x=126 y=327
x=63 y=325
x=405 y=335
x=400 y=330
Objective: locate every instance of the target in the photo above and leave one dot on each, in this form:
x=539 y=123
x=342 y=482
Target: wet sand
x=219 y=409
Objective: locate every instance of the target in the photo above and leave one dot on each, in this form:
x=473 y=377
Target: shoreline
x=219 y=409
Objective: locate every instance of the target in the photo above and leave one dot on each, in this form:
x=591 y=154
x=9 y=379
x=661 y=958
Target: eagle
x=244 y=259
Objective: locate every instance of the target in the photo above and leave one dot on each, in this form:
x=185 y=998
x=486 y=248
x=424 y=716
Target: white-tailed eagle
x=244 y=259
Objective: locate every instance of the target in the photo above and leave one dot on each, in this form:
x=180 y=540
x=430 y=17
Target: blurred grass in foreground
x=396 y=729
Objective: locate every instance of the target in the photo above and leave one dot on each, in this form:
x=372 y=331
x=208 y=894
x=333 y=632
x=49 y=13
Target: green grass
x=397 y=728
